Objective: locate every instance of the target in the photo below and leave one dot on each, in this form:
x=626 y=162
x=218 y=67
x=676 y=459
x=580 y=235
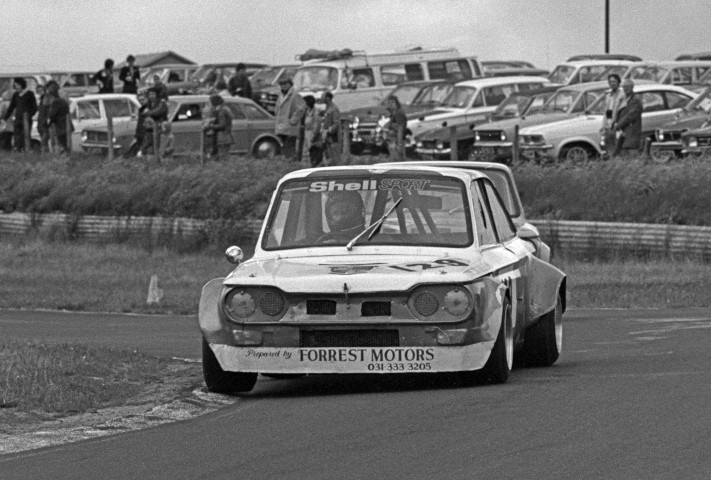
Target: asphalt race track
x=630 y=398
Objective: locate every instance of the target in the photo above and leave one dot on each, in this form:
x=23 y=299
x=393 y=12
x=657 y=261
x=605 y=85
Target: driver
x=345 y=213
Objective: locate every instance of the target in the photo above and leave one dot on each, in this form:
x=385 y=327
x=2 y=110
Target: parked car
x=91 y=111
x=469 y=103
x=667 y=144
x=507 y=68
x=689 y=72
x=226 y=71
x=694 y=56
x=584 y=71
x=265 y=84
x=176 y=77
x=494 y=140
x=75 y=84
x=367 y=123
x=431 y=278
x=604 y=56
x=252 y=128
x=578 y=139
x=697 y=141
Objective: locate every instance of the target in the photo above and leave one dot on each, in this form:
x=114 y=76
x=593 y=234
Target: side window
x=478 y=100
x=495 y=95
x=236 y=110
x=676 y=100
x=88 y=110
x=395 y=74
x=254 y=113
x=482 y=218
x=502 y=219
x=117 y=108
x=175 y=76
x=363 y=77
x=449 y=70
x=652 y=102
x=681 y=75
x=188 y=111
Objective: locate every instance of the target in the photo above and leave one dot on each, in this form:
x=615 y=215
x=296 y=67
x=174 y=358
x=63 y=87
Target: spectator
x=613 y=97
x=139 y=135
x=43 y=104
x=160 y=87
x=23 y=104
x=221 y=89
x=397 y=126
x=289 y=110
x=167 y=141
x=239 y=84
x=104 y=78
x=331 y=128
x=312 y=149
x=130 y=76
x=629 y=121
x=219 y=131
x=155 y=114
x=57 y=118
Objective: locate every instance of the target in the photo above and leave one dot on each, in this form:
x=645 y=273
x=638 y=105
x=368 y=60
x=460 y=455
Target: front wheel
x=266 y=148
x=500 y=361
x=576 y=154
x=219 y=381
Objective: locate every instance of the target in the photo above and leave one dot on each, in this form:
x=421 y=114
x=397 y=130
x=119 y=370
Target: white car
x=92 y=111
x=382 y=269
x=471 y=101
x=578 y=138
x=585 y=71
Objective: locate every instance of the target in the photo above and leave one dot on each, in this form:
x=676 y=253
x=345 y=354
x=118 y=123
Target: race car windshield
x=333 y=210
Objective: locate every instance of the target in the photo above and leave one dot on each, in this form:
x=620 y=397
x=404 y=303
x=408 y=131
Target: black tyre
x=219 y=381
x=576 y=153
x=266 y=148
x=500 y=361
x=544 y=340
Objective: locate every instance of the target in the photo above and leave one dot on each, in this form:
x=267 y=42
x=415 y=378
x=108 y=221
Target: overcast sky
x=80 y=34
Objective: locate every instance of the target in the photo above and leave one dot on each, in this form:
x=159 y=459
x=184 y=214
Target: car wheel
x=576 y=153
x=544 y=340
x=266 y=148
x=500 y=361
x=219 y=381
x=662 y=156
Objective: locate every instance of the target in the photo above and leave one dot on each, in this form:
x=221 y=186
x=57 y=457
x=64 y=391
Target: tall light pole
x=607 y=26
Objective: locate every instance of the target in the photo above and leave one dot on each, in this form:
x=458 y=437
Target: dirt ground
x=180 y=396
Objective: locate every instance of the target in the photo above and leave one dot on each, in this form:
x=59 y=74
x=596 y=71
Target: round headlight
x=503 y=136
x=660 y=135
x=84 y=136
x=693 y=142
x=240 y=303
x=271 y=303
x=477 y=138
x=426 y=304
x=355 y=122
x=440 y=145
x=419 y=144
x=456 y=302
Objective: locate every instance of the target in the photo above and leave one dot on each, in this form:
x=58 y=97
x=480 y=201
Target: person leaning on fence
x=155 y=114
x=629 y=121
x=24 y=105
x=331 y=131
x=130 y=76
x=397 y=128
x=104 y=78
x=218 y=131
x=60 y=128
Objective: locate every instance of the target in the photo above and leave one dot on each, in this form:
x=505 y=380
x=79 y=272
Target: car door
x=187 y=126
x=655 y=110
x=260 y=122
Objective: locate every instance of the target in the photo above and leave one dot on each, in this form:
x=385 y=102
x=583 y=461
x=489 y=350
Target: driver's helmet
x=345 y=211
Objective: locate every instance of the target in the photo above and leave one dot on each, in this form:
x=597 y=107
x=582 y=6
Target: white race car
x=383 y=269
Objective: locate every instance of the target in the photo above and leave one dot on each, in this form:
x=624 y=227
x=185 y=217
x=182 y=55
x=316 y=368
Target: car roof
x=104 y=96
x=407 y=168
x=205 y=98
x=604 y=56
x=592 y=63
x=675 y=63
x=493 y=81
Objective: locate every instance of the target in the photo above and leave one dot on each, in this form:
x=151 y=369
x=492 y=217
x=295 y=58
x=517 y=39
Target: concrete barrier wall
x=562 y=236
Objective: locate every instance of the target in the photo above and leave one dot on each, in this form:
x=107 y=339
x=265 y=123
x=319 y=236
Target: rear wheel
x=500 y=361
x=662 y=156
x=576 y=153
x=544 y=340
x=219 y=381
x=266 y=148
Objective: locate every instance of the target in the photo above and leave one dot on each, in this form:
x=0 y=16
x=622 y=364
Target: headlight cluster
x=502 y=136
x=84 y=136
x=532 y=139
x=692 y=141
x=448 y=302
x=660 y=135
x=355 y=123
x=254 y=304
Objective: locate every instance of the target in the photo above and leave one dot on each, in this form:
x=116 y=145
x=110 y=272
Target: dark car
x=265 y=84
x=221 y=71
x=697 y=142
x=366 y=127
x=252 y=128
x=175 y=77
x=667 y=144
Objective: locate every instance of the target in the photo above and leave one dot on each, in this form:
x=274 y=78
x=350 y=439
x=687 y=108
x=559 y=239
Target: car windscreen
x=653 y=73
x=316 y=78
x=433 y=94
x=264 y=77
x=406 y=93
x=561 y=102
x=561 y=74
x=459 y=97
x=333 y=210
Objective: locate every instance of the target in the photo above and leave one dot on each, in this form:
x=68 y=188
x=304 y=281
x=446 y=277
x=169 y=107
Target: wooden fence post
x=453 y=146
x=156 y=140
x=26 y=132
x=202 y=147
x=515 y=151
x=70 y=130
x=345 y=133
x=110 y=132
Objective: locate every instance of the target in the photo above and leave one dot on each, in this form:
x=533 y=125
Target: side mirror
x=234 y=255
x=527 y=232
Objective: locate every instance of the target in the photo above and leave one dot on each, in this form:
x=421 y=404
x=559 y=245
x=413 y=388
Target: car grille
x=704 y=141
x=97 y=136
x=349 y=338
x=375 y=309
x=269 y=103
x=490 y=136
x=321 y=307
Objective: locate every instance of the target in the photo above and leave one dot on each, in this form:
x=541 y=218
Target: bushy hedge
x=618 y=191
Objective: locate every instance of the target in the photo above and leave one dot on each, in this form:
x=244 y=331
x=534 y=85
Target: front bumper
x=537 y=152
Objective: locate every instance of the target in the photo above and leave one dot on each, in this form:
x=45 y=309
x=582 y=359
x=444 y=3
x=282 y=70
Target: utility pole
x=607 y=26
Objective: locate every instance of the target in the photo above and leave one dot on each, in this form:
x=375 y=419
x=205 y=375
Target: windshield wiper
x=372 y=228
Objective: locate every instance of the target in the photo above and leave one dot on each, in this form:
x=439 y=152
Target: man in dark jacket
x=239 y=84
x=130 y=76
x=629 y=121
x=104 y=78
x=23 y=104
x=57 y=117
x=155 y=114
x=219 y=131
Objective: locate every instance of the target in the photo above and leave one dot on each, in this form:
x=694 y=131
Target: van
x=358 y=79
